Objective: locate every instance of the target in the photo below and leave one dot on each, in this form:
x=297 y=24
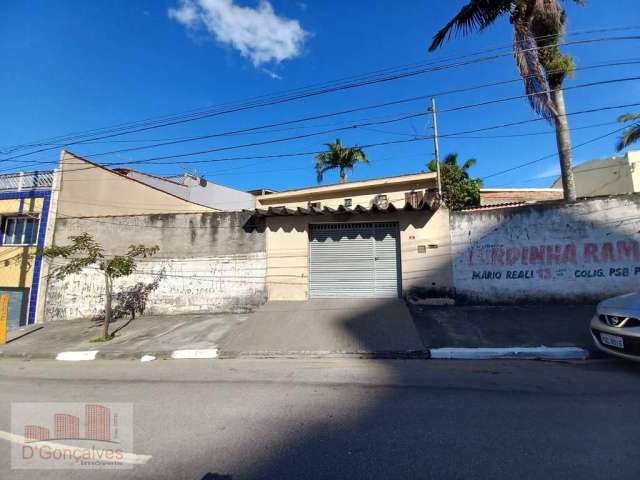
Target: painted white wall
x=588 y=250
x=193 y=285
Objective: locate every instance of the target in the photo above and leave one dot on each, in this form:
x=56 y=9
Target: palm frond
x=629 y=136
x=627 y=117
x=532 y=72
x=476 y=15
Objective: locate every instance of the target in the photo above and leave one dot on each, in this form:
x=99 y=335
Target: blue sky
x=78 y=65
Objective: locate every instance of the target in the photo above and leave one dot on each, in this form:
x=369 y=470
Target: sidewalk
x=503 y=327
x=159 y=336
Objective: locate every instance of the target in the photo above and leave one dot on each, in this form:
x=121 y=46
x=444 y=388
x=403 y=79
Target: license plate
x=612 y=340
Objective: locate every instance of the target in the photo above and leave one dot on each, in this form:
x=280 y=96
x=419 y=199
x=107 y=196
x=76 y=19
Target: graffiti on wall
x=619 y=258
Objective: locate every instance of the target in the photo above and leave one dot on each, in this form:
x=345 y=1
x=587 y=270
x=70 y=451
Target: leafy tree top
x=459 y=189
x=84 y=251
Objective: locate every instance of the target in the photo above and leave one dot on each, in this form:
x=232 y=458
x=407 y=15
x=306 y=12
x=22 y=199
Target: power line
x=339 y=88
x=552 y=154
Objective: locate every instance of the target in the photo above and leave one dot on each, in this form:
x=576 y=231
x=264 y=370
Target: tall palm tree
x=339 y=157
x=631 y=134
x=538 y=27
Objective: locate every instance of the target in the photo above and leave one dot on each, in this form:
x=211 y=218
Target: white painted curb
x=147 y=358
x=203 y=353
x=77 y=356
x=526 y=353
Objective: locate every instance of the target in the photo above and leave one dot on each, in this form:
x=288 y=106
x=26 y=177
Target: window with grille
x=20 y=231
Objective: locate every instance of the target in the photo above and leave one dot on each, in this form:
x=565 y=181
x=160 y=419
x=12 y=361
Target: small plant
x=84 y=252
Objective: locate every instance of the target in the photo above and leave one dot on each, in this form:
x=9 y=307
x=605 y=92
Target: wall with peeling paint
x=583 y=251
x=207 y=263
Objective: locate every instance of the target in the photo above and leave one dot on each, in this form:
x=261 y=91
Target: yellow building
x=25 y=223
x=607 y=176
x=373 y=238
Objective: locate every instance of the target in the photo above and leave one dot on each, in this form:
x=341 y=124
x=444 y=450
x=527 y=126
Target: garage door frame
x=398 y=260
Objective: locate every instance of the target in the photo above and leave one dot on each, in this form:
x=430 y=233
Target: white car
x=616 y=326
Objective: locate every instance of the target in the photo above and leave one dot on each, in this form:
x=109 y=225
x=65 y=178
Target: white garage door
x=353 y=260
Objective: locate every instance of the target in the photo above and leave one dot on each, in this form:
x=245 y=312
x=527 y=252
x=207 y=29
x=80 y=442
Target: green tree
x=84 y=252
x=339 y=157
x=538 y=27
x=459 y=189
x=632 y=134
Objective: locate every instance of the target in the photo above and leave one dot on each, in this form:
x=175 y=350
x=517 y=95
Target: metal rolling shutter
x=353 y=260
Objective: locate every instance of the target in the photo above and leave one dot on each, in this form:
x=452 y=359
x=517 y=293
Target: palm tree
x=339 y=157
x=631 y=134
x=538 y=27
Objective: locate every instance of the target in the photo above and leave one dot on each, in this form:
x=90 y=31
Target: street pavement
x=326 y=326
x=351 y=418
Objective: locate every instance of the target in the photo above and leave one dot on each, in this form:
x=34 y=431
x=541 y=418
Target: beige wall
x=609 y=176
x=288 y=250
x=88 y=190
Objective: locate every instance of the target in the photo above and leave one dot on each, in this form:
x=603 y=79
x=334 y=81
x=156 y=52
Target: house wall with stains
x=583 y=251
x=207 y=263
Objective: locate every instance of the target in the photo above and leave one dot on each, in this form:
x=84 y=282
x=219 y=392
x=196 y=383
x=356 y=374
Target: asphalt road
x=338 y=418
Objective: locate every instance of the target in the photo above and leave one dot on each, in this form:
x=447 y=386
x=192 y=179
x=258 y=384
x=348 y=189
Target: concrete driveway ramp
x=375 y=327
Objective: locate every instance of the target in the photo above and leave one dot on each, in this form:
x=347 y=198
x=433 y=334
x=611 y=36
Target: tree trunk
x=343 y=176
x=107 y=306
x=563 y=140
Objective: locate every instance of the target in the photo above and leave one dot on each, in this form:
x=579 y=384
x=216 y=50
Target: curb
x=523 y=353
x=470 y=353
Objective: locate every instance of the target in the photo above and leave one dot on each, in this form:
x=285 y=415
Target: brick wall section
x=495 y=197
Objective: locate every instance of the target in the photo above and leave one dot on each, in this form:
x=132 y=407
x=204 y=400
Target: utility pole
x=436 y=151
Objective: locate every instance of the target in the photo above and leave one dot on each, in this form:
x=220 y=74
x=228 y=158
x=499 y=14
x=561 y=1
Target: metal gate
x=353 y=260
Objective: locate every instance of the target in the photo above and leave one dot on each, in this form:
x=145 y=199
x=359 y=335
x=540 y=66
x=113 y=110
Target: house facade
x=27 y=210
x=373 y=238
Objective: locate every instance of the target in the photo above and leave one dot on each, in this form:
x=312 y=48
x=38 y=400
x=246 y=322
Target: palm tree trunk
x=343 y=176
x=563 y=140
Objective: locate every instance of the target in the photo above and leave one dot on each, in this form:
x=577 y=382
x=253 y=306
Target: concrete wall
x=88 y=190
x=207 y=263
x=588 y=250
x=288 y=251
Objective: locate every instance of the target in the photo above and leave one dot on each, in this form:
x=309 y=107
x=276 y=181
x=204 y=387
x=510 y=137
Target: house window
x=348 y=202
x=20 y=231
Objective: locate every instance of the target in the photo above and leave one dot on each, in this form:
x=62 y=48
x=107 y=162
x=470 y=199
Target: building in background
x=26 y=224
x=513 y=196
x=88 y=189
x=195 y=189
x=607 y=176
x=372 y=238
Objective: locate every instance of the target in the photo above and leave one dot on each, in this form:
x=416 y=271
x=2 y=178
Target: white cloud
x=257 y=33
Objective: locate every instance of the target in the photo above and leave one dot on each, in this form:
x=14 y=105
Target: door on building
x=354 y=260
x=17 y=306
